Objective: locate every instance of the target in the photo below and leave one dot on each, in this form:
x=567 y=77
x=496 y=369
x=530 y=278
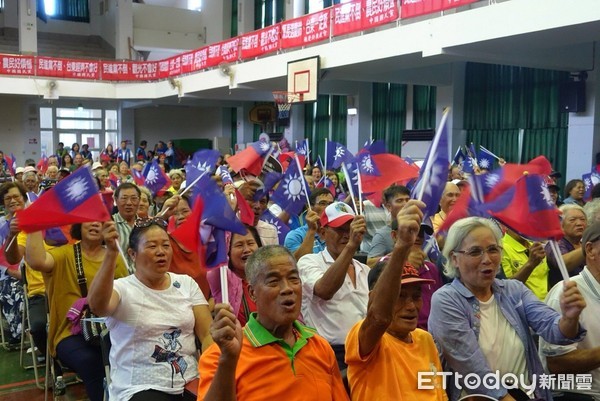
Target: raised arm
x=571 y=305
x=35 y=254
x=536 y=255
x=12 y=250
x=102 y=298
x=331 y=281
x=383 y=297
x=227 y=333
x=306 y=247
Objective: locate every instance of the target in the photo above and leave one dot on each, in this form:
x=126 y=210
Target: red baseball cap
x=337 y=214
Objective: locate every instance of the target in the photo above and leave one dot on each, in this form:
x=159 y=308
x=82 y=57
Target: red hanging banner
x=50 y=67
x=116 y=71
x=187 y=62
x=379 y=12
x=230 y=50
x=260 y=42
x=347 y=18
x=316 y=26
x=82 y=69
x=292 y=32
x=414 y=8
x=144 y=70
x=174 y=66
x=16 y=65
x=200 y=59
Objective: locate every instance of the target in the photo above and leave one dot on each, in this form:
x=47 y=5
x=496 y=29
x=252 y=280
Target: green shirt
x=513 y=259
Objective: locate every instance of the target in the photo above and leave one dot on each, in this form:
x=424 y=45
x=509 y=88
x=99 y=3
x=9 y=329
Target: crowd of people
x=351 y=304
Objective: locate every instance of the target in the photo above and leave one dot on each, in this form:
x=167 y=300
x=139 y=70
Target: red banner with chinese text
x=50 y=67
x=187 y=62
x=82 y=69
x=292 y=32
x=379 y=12
x=347 y=18
x=144 y=70
x=260 y=42
x=16 y=65
x=116 y=71
x=317 y=26
x=200 y=59
x=414 y=8
x=223 y=52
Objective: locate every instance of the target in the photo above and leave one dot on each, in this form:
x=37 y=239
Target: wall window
x=95 y=127
x=312 y=6
x=69 y=10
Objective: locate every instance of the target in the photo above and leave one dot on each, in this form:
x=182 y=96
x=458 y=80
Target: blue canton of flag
x=319 y=164
x=203 y=161
x=269 y=180
x=337 y=154
x=485 y=160
x=587 y=182
x=352 y=177
x=217 y=211
x=366 y=165
x=225 y=175
x=459 y=156
x=434 y=173
x=375 y=147
x=155 y=179
x=82 y=186
x=291 y=194
x=282 y=228
x=302 y=148
x=431 y=248
x=261 y=147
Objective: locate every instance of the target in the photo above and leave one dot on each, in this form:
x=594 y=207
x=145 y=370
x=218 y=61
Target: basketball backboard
x=303 y=79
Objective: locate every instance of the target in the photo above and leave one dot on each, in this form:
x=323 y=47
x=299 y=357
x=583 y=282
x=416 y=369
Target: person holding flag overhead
x=335 y=285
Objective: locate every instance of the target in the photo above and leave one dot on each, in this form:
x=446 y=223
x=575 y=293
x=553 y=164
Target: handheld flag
x=282 y=228
x=155 y=178
x=73 y=200
x=250 y=159
x=291 y=193
x=485 y=160
x=392 y=169
x=337 y=154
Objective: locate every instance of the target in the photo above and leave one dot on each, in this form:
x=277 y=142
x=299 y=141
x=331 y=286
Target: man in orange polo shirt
x=273 y=357
x=386 y=352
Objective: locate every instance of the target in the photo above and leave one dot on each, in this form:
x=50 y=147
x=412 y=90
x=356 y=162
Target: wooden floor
x=18 y=384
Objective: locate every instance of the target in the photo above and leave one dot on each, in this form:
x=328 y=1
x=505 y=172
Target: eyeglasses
x=324 y=203
x=147 y=222
x=8 y=198
x=476 y=253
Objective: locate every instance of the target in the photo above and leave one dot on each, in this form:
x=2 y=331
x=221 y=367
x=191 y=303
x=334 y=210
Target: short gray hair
x=457 y=234
x=565 y=208
x=592 y=211
x=259 y=260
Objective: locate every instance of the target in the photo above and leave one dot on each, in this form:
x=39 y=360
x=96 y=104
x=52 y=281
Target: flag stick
x=490 y=153
x=307 y=152
x=224 y=285
x=123 y=255
x=434 y=145
x=325 y=162
x=348 y=181
x=271 y=150
x=11 y=242
x=303 y=181
x=162 y=212
x=360 y=200
x=559 y=260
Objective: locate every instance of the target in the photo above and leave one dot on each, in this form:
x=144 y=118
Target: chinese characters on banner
x=260 y=42
x=144 y=70
x=16 y=65
x=226 y=51
x=379 y=12
x=50 y=67
x=347 y=18
x=82 y=69
x=116 y=71
x=305 y=30
x=414 y=8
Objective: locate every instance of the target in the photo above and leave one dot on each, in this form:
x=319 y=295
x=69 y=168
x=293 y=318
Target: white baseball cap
x=337 y=214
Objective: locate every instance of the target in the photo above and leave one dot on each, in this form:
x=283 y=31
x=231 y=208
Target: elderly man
x=31 y=181
x=394 y=197
x=304 y=239
x=386 y=351
x=273 y=357
x=449 y=198
x=335 y=286
x=127 y=197
x=573 y=224
x=582 y=357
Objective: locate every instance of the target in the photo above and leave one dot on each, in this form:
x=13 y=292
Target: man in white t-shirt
x=335 y=288
x=582 y=357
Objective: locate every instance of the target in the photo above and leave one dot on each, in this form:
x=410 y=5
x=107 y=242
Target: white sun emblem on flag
x=354 y=174
x=203 y=166
x=264 y=146
x=546 y=194
x=274 y=223
x=77 y=190
x=484 y=163
x=491 y=179
x=434 y=178
x=367 y=164
x=293 y=187
x=588 y=183
x=152 y=176
x=339 y=152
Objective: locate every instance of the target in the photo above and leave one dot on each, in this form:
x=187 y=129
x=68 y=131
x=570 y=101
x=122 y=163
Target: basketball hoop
x=284 y=101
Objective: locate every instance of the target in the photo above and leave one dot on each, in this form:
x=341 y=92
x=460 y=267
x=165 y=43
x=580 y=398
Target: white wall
x=174 y=122
x=20 y=126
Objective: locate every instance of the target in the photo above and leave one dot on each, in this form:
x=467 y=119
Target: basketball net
x=284 y=101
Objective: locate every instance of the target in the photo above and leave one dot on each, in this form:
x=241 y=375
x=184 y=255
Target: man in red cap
x=335 y=287
x=388 y=357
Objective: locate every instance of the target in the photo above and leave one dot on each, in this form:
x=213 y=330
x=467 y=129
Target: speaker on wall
x=572 y=96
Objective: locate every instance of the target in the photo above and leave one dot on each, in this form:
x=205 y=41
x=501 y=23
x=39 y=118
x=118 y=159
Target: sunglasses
x=147 y=222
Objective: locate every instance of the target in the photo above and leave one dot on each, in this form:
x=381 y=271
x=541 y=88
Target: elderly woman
x=574 y=192
x=146 y=207
x=58 y=266
x=177 y=177
x=240 y=249
x=153 y=317
x=482 y=324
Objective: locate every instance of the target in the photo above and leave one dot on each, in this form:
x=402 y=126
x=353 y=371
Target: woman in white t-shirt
x=153 y=317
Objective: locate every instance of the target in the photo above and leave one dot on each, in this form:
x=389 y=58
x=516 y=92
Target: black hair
x=393 y=190
x=7 y=186
x=127 y=185
x=312 y=199
x=596 y=191
x=76 y=231
x=137 y=232
x=375 y=272
x=144 y=143
x=570 y=185
x=252 y=230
